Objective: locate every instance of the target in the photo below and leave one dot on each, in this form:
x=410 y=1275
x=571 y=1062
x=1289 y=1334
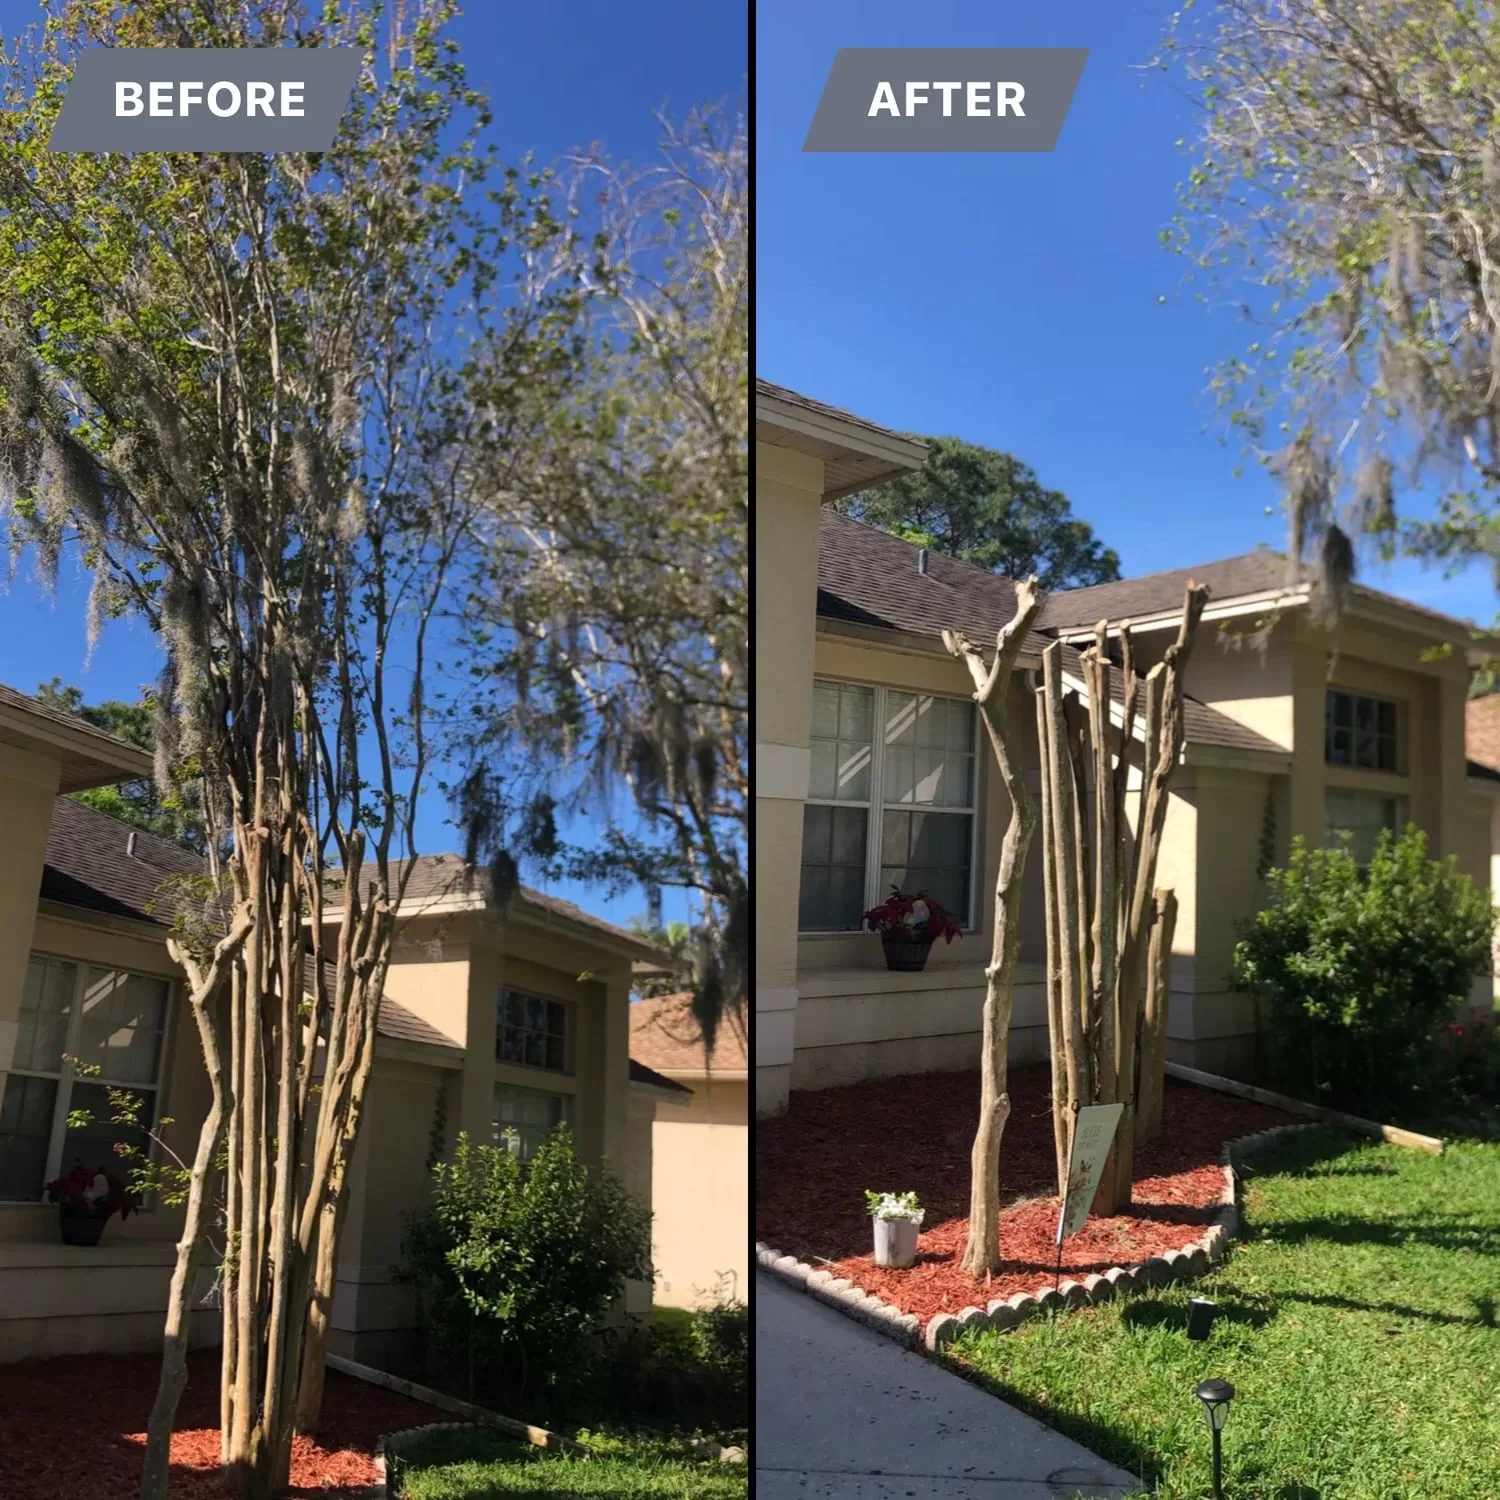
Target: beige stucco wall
x=788 y=498
x=700 y=1185
x=28 y=784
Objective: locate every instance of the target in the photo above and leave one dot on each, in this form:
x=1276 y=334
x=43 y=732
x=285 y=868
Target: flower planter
x=81 y=1227
x=896 y=1242
x=906 y=957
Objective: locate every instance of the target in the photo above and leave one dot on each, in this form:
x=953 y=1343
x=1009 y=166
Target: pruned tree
x=233 y=381
x=1099 y=871
x=992 y=692
x=1343 y=198
x=610 y=607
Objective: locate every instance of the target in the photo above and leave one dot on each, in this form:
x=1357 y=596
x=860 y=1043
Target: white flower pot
x=896 y=1242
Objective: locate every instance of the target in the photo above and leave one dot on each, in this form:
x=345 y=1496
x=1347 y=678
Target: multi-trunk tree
x=992 y=693
x=1109 y=930
x=234 y=382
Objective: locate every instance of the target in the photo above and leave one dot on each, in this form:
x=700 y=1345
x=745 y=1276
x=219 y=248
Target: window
x=113 y=1020
x=531 y=1114
x=1360 y=816
x=1359 y=731
x=531 y=1032
x=891 y=799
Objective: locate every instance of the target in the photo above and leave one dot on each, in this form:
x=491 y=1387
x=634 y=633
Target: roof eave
x=88 y=759
x=910 y=641
x=1164 y=619
x=878 y=455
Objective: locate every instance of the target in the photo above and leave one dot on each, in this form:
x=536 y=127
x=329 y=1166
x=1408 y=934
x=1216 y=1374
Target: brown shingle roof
x=1482 y=730
x=640 y=1073
x=10 y=698
x=1132 y=598
x=87 y=865
x=796 y=398
x=870 y=577
x=664 y=1032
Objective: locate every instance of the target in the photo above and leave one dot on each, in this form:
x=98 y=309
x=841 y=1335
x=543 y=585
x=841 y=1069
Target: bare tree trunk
x=1058 y=792
x=320 y=1312
x=992 y=694
x=1154 y=1026
x=1056 y=1049
x=206 y=983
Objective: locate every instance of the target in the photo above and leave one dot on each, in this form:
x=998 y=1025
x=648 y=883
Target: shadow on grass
x=1152 y=1314
x=1484 y=1309
x=1440 y=1231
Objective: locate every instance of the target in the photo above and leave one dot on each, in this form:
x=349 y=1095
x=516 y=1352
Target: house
x=494 y=1020
x=700 y=1159
x=871 y=770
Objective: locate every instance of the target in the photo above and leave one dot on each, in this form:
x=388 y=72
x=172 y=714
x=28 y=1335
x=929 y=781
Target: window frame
x=497 y=1129
x=570 y=1033
x=66 y=1076
x=875 y=806
x=1396 y=737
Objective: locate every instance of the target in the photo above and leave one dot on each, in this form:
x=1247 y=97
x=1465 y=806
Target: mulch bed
x=813 y=1164
x=75 y=1429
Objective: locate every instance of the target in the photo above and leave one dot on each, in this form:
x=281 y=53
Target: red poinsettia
x=89 y=1190
x=912 y=919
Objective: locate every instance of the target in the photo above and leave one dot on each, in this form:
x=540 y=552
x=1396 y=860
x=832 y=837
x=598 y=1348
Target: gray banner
x=206 y=99
x=945 y=99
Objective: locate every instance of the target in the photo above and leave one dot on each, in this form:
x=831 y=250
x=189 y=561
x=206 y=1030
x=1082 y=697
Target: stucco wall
x=700 y=1175
x=788 y=499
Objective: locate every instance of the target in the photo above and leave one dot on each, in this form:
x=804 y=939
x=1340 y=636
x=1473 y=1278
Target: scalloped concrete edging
x=1186 y=1264
x=393 y=1444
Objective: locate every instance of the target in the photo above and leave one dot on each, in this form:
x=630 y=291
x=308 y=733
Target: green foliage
x=678 y=943
x=518 y=1263
x=988 y=508
x=477 y=1465
x=686 y=1370
x=1356 y=1322
x=1356 y=971
x=1341 y=197
x=138 y=803
x=164 y=1176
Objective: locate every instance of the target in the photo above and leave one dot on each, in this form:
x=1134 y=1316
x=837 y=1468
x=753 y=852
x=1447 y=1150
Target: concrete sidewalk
x=841 y=1412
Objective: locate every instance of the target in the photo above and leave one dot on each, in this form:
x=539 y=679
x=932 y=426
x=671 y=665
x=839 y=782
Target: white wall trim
x=782 y=771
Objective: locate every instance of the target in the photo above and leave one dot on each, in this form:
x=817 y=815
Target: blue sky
x=1023 y=302
x=559 y=76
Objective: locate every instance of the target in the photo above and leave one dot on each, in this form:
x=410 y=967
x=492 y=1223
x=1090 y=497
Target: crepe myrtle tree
x=610 y=606
x=1342 y=195
x=232 y=382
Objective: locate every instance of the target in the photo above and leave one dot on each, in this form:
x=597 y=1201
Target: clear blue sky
x=559 y=76
x=1017 y=300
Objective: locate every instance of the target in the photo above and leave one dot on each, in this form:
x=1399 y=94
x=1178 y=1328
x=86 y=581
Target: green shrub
x=518 y=1264
x=1356 y=972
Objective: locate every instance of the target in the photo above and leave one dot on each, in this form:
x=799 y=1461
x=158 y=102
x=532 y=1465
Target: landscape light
x=1216 y=1396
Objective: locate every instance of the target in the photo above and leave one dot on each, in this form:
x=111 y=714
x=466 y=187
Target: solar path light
x=1216 y=1396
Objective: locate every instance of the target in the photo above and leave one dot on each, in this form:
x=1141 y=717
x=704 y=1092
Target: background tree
x=233 y=381
x=170 y=816
x=611 y=607
x=1344 y=197
x=678 y=944
x=988 y=508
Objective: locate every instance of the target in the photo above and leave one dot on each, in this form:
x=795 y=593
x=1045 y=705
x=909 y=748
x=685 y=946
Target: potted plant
x=908 y=927
x=898 y=1217
x=85 y=1199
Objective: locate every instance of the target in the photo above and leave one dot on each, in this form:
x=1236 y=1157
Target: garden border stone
x=1187 y=1263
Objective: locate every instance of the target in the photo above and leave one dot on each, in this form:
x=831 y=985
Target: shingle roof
x=796 y=398
x=437 y=875
x=1482 y=730
x=10 y=698
x=1132 y=598
x=664 y=1032
x=640 y=1073
x=87 y=865
x=869 y=577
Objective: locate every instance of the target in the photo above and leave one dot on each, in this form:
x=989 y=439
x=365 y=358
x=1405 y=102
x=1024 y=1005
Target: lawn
x=1357 y=1324
x=476 y=1465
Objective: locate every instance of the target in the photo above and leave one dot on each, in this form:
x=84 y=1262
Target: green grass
x=1357 y=1322
x=475 y=1465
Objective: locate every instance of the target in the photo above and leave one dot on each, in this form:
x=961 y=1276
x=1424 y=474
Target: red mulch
x=75 y=1429
x=813 y=1164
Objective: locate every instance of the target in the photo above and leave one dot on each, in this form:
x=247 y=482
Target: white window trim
x=66 y=1077
x=876 y=805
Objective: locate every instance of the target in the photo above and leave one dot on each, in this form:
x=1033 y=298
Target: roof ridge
x=1213 y=562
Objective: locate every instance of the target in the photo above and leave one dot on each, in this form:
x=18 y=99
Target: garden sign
x=1093 y=1131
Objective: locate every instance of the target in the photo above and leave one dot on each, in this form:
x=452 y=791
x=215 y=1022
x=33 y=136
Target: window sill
x=869 y=978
